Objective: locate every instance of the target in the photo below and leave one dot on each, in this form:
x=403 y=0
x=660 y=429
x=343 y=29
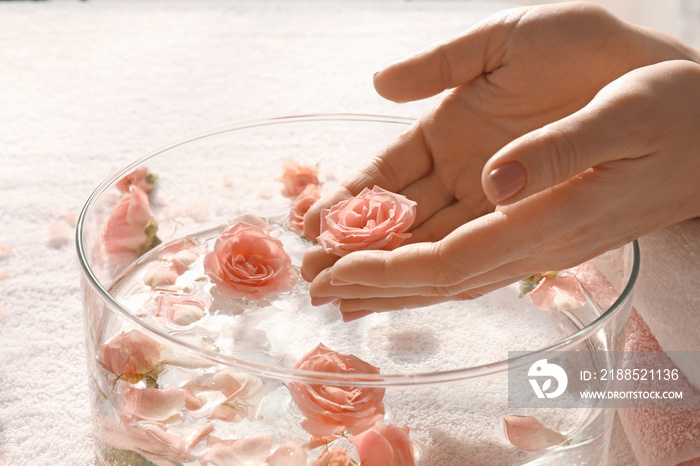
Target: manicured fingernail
x=336 y=282
x=323 y=300
x=350 y=316
x=507 y=180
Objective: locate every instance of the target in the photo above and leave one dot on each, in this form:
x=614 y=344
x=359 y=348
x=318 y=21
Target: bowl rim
x=291 y=374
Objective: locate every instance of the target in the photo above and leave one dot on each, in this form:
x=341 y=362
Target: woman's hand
x=573 y=176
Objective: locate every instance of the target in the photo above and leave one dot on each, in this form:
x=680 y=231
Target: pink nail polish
x=337 y=282
x=323 y=300
x=350 y=316
x=507 y=180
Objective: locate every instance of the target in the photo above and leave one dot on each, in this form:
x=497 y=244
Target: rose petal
x=161 y=273
x=130 y=353
x=334 y=457
x=182 y=444
x=225 y=395
x=384 y=445
x=153 y=404
x=125 y=436
x=243 y=452
x=179 y=308
x=558 y=293
x=289 y=454
x=529 y=434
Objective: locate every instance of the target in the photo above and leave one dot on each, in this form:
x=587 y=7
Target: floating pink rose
x=333 y=457
x=130 y=353
x=226 y=395
x=301 y=205
x=141 y=178
x=131 y=227
x=558 y=293
x=529 y=434
x=296 y=177
x=329 y=409
x=248 y=263
x=179 y=308
x=374 y=219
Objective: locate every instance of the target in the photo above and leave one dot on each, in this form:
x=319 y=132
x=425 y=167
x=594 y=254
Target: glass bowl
x=182 y=373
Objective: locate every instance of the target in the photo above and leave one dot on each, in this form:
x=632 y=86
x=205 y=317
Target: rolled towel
x=666 y=318
x=659 y=436
x=667 y=295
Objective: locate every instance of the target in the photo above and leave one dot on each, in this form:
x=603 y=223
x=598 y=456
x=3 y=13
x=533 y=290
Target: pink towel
x=667 y=297
x=659 y=436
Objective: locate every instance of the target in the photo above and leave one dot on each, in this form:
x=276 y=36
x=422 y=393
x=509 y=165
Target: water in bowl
x=450 y=423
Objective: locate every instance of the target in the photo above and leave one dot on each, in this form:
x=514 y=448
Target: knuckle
x=447 y=268
x=561 y=157
x=379 y=171
x=445 y=67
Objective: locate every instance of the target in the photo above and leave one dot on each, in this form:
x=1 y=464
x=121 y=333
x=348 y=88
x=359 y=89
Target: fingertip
x=354 y=315
x=506 y=181
x=388 y=85
x=315 y=261
x=351 y=267
x=312 y=222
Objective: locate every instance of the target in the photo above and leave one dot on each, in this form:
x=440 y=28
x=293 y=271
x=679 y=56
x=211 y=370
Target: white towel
x=87 y=86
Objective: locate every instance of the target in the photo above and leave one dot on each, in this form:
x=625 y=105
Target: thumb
x=608 y=128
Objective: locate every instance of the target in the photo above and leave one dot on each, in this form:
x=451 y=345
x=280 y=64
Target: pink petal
x=153 y=404
x=253 y=450
x=130 y=353
x=399 y=441
x=289 y=454
x=558 y=293
x=182 y=444
x=60 y=234
x=529 y=434
x=225 y=395
x=5 y=251
x=334 y=457
x=161 y=273
x=374 y=449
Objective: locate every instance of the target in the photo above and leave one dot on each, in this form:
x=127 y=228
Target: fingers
x=315 y=261
x=446 y=65
x=432 y=267
x=408 y=266
x=609 y=128
x=354 y=308
x=548 y=231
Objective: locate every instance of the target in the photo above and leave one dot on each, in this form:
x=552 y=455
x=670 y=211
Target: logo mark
x=542 y=368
